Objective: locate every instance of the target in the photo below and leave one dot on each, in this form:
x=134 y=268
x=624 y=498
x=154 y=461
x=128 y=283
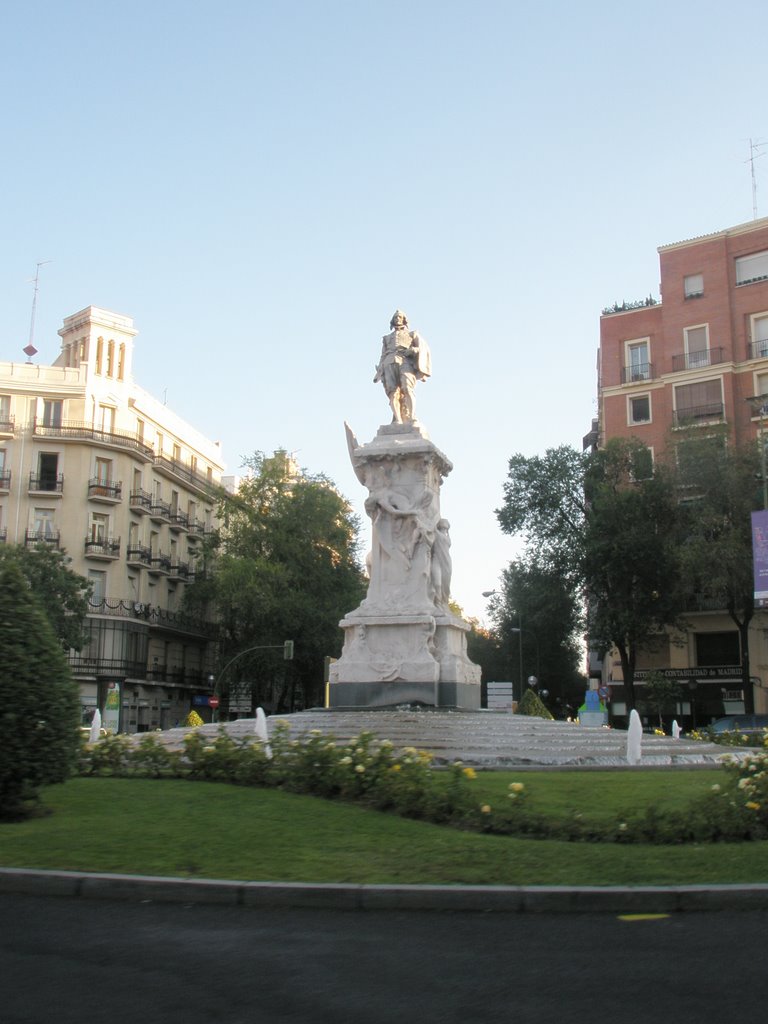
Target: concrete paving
x=484 y=739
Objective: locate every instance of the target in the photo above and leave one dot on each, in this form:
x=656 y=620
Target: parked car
x=740 y=723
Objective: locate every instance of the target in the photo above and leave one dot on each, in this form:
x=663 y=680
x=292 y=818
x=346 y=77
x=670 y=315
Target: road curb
x=336 y=896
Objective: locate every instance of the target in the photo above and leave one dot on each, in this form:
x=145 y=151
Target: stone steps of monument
x=484 y=739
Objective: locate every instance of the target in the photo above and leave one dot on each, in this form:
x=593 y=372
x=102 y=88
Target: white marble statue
x=405 y=358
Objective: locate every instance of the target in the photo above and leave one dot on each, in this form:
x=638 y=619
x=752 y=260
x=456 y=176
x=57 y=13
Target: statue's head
x=399 y=320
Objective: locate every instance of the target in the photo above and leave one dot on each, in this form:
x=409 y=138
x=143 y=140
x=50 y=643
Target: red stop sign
x=213 y=702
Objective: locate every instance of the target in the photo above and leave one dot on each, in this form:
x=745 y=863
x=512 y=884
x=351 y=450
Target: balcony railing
x=5 y=480
x=180 y=571
x=698 y=359
x=102 y=547
x=758 y=349
x=51 y=537
x=638 y=372
x=83 y=664
x=140 y=501
x=7 y=425
x=154 y=615
x=47 y=483
x=3 y=534
x=179 y=520
x=159 y=563
x=160 y=511
x=136 y=554
x=105 y=490
x=198 y=529
x=183 y=471
x=72 y=431
x=713 y=411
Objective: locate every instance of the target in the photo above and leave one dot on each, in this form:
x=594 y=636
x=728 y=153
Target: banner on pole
x=760 y=556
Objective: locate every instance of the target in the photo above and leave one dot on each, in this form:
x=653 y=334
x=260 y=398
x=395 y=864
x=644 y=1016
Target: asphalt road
x=65 y=960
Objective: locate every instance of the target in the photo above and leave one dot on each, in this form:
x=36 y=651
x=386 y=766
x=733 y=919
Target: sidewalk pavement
x=551 y=899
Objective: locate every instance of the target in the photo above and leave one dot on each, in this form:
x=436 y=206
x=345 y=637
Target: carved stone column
x=403 y=644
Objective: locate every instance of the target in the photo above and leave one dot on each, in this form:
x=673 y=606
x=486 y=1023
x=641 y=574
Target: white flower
x=359 y=768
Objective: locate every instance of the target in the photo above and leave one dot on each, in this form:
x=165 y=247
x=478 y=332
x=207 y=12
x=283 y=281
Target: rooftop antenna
x=754 y=145
x=30 y=349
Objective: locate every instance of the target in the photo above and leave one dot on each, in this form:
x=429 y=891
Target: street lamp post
x=519 y=630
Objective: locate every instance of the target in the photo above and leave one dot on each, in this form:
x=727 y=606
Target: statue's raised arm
x=405 y=358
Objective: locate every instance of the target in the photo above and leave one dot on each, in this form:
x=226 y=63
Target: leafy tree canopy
x=62 y=593
x=39 y=702
x=284 y=566
x=609 y=523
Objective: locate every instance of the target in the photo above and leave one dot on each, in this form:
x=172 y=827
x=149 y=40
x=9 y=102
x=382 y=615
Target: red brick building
x=670 y=370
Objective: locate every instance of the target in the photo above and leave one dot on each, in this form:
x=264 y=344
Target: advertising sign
x=111 y=720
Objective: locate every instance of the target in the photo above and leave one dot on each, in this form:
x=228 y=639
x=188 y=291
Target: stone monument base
x=404 y=659
x=362 y=696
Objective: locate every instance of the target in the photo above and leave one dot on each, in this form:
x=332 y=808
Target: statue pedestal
x=403 y=645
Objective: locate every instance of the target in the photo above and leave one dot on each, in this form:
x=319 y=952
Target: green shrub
x=39 y=702
x=533 y=705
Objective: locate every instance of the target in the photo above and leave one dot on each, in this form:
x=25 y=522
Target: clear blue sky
x=260 y=184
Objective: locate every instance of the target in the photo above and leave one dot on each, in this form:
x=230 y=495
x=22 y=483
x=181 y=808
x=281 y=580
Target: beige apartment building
x=94 y=465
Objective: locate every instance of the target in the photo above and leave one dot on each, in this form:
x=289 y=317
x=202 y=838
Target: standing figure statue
x=405 y=358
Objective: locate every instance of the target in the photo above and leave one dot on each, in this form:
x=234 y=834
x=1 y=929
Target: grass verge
x=199 y=829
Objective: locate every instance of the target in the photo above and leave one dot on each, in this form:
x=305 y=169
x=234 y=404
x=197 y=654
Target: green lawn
x=176 y=827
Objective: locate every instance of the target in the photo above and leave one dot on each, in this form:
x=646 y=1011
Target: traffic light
x=288 y=650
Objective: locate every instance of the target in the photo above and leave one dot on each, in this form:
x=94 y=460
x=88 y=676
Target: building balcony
x=179 y=521
x=138 y=556
x=85 y=665
x=49 y=537
x=181 y=571
x=3 y=535
x=108 y=491
x=183 y=471
x=140 y=501
x=159 y=511
x=697 y=360
x=7 y=426
x=638 y=372
x=102 y=548
x=198 y=530
x=5 y=481
x=46 y=484
x=714 y=412
x=152 y=615
x=159 y=564
x=72 y=431
x=758 y=349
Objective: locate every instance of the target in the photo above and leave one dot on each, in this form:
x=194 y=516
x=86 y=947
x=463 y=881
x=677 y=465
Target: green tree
x=633 y=533
x=62 y=593
x=283 y=567
x=609 y=523
x=720 y=487
x=537 y=598
x=39 y=702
